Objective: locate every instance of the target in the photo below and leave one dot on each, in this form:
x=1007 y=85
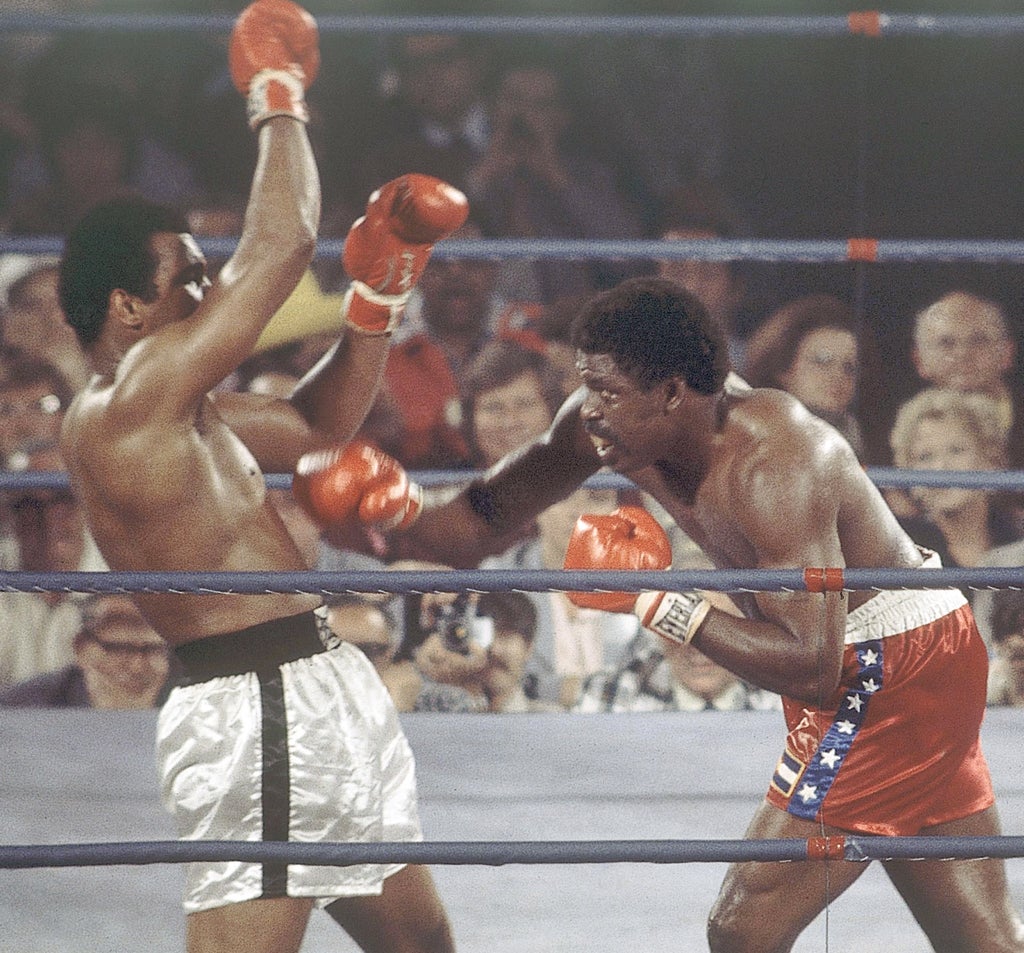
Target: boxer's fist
x=274 y=55
x=357 y=480
x=627 y=538
x=387 y=249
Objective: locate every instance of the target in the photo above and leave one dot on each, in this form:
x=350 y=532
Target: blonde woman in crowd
x=940 y=429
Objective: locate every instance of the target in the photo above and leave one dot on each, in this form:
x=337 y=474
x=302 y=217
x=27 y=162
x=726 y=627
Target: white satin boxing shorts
x=281 y=732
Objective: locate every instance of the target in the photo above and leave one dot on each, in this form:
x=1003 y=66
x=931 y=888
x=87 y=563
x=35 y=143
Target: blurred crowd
x=615 y=148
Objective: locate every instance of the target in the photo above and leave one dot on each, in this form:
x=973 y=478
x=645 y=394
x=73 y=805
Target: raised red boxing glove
x=627 y=538
x=356 y=480
x=387 y=249
x=274 y=55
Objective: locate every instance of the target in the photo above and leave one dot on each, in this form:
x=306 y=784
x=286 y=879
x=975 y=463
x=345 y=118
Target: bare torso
x=771 y=455
x=188 y=499
x=776 y=434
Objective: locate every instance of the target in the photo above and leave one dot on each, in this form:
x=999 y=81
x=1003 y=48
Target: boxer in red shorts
x=884 y=692
x=857 y=763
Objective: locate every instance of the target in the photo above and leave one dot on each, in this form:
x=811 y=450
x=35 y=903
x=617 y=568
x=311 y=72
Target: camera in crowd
x=458 y=625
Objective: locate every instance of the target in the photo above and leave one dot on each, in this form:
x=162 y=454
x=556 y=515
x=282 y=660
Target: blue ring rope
x=1007 y=480
x=771 y=250
x=323 y=583
x=889 y=24
x=499 y=853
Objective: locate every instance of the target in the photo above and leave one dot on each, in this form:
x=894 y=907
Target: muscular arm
x=794 y=643
x=172 y=370
x=326 y=408
x=477 y=520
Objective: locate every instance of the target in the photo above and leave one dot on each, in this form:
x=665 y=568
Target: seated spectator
x=571 y=642
x=34 y=395
x=514 y=622
x=809 y=347
x=90 y=150
x=962 y=342
x=655 y=675
x=37 y=629
x=367 y=625
x=31 y=319
x=119 y=662
x=481 y=655
x=940 y=429
x=1006 y=673
x=547 y=329
x=538 y=179
x=449 y=649
x=510 y=394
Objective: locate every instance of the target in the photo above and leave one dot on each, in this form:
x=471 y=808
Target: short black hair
x=654 y=329
x=109 y=248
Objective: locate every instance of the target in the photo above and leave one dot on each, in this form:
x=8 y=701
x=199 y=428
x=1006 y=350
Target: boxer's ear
x=123 y=307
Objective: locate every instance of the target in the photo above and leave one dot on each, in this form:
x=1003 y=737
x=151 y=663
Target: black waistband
x=261 y=648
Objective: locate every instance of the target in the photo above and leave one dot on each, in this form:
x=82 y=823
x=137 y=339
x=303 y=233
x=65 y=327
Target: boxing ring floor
x=87 y=776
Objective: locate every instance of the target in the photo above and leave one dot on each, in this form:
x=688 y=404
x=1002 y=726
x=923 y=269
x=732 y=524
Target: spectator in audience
x=452 y=316
x=368 y=626
x=809 y=347
x=962 y=342
x=509 y=393
x=1006 y=673
x=37 y=628
x=538 y=179
x=701 y=211
x=448 y=646
x=31 y=318
x=655 y=675
x=941 y=429
x=546 y=329
x=474 y=654
x=119 y=662
x=34 y=395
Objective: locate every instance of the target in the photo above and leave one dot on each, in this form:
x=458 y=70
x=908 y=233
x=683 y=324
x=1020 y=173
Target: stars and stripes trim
x=812 y=785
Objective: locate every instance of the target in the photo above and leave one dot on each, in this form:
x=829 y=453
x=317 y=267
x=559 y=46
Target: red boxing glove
x=627 y=538
x=388 y=248
x=357 y=479
x=274 y=55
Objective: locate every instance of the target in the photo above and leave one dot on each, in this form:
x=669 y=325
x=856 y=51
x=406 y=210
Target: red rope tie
x=824 y=580
x=826 y=848
x=865 y=22
x=862 y=249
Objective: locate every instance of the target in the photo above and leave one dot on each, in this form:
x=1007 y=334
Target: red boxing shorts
x=897 y=748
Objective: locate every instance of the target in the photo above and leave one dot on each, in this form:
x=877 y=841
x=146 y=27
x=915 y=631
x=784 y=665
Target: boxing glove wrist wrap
x=276 y=92
x=675 y=616
x=372 y=313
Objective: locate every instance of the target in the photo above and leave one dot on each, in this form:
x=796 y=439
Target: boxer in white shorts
x=283 y=732
x=168 y=465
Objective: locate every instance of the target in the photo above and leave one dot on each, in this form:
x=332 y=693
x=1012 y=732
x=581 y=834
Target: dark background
x=891 y=137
